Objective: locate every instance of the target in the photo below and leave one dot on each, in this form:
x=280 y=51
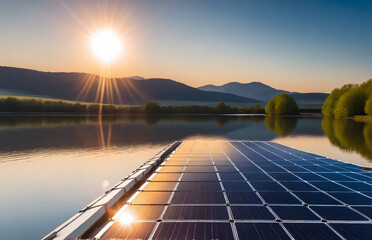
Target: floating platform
x=231 y=190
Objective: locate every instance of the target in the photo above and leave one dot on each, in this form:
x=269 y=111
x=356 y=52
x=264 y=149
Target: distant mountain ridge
x=88 y=88
x=262 y=92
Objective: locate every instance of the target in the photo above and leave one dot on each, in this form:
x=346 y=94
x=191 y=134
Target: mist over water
x=51 y=167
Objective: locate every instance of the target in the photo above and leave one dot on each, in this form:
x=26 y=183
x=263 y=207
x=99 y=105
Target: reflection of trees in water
x=282 y=126
x=349 y=135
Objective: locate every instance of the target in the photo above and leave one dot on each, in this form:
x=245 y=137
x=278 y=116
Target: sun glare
x=126 y=219
x=106 y=45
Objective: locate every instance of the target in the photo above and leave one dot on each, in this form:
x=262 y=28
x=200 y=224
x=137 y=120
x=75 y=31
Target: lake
x=51 y=167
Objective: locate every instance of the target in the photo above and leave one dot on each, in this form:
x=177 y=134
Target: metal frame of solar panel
x=248 y=190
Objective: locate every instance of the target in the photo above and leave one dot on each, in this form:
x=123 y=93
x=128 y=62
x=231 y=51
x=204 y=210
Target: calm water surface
x=51 y=167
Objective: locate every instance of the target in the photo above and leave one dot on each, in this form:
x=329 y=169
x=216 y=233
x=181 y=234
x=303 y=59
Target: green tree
x=351 y=103
x=221 y=107
x=368 y=106
x=152 y=107
x=270 y=107
x=282 y=104
x=331 y=101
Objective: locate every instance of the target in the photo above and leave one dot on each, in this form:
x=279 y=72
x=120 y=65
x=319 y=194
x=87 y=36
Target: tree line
x=349 y=100
x=14 y=104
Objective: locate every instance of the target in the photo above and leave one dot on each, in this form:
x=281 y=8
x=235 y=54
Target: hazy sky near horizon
x=308 y=45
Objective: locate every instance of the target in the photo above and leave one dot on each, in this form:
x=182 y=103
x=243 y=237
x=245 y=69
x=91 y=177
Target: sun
x=106 y=45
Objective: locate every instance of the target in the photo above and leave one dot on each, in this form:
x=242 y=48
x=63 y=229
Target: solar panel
x=247 y=190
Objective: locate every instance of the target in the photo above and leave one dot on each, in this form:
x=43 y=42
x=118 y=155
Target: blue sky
x=307 y=45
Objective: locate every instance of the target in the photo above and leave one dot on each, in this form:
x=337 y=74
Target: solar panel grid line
x=228 y=208
x=330 y=180
x=258 y=195
x=310 y=182
x=170 y=198
x=266 y=172
x=261 y=198
x=296 y=195
x=314 y=204
x=338 y=234
x=286 y=204
x=348 y=221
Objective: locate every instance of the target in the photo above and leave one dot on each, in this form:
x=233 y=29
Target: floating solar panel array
x=247 y=190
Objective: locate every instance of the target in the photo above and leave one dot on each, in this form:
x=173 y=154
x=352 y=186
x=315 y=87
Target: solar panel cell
x=338 y=213
x=260 y=231
x=294 y=213
x=354 y=231
x=251 y=213
x=319 y=231
x=193 y=230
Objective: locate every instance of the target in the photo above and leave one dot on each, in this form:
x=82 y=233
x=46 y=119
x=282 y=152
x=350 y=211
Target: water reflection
x=35 y=132
x=349 y=135
x=22 y=134
x=67 y=161
x=282 y=126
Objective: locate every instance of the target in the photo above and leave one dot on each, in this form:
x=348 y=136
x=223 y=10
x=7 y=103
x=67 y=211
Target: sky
x=307 y=45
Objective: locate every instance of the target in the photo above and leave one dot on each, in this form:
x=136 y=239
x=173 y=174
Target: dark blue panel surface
x=336 y=177
x=352 y=198
x=296 y=169
x=224 y=168
x=198 y=198
x=357 y=186
x=316 y=198
x=310 y=176
x=243 y=198
x=193 y=230
x=268 y=186
x=284 y=177
x=256 y=176
x=199 y=187
x=196 y=212
x=279 y=198
x=365 y=210
x=199 y=177
x=251 y=213
x=298 y=186
x=337 y=213
x=237 y=187
x=313 y=231
x=354 y=231
x=329 y=186
x=231 y=177
x=260 y=231
x=294 y=213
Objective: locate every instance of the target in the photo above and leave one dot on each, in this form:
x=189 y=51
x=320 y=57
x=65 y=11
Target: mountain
x=88 y=88
x=262 y=92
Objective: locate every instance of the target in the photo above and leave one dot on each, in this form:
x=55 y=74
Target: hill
x=262 y=92
x=88 y=88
